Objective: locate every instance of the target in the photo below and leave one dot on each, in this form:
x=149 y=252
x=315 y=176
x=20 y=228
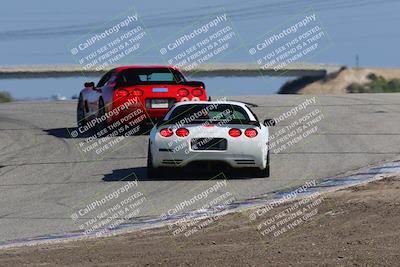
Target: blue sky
x=40 y=31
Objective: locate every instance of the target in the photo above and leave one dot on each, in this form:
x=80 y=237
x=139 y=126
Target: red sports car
x=150 y=90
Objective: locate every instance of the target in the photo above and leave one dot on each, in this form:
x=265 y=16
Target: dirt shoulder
x=357 y=226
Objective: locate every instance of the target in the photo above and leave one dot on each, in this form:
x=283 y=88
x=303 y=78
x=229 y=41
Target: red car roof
x=118 y=69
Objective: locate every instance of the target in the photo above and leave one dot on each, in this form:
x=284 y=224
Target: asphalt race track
x=45 y=177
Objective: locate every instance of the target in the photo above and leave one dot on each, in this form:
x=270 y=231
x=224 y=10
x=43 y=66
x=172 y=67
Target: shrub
x=5 y=97
x=356 y=88
x=377 y=84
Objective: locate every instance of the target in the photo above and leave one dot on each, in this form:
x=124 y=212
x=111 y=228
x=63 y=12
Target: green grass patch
x=377 y=84
x=5 y=97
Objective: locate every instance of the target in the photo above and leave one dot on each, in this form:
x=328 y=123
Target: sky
x=43 y=32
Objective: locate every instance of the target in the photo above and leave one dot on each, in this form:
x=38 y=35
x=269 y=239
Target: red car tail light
x=183 y=92
x=182 y=132
x=166 y=132
x=137 y=92
x=197 y=92
x=251 y=132
x=121 y=93
x=235 y=132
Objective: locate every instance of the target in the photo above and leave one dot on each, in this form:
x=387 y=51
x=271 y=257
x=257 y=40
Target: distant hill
x=347 y=80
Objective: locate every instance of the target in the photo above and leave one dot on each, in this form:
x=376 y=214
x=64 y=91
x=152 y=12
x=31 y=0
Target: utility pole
x=357 y=61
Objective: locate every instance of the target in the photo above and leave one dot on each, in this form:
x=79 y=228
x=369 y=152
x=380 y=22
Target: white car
x=202 y=132
x=58 y=97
